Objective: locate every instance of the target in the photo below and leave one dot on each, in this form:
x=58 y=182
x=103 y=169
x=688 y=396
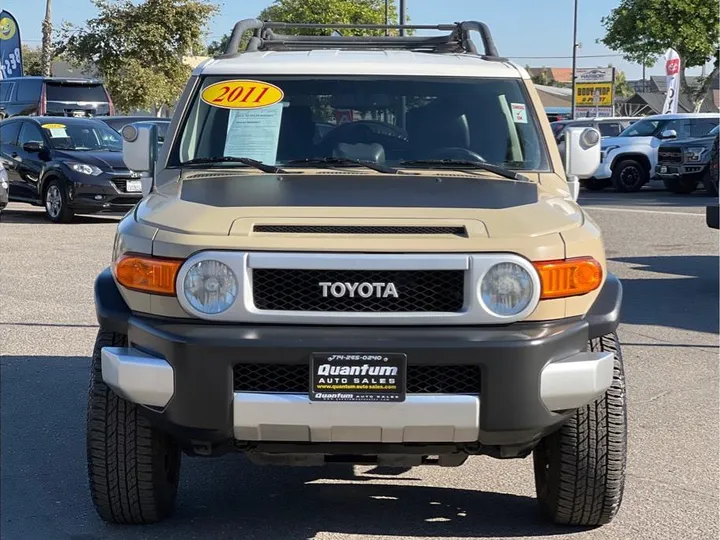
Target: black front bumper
x=100 y=196
x=203 y=356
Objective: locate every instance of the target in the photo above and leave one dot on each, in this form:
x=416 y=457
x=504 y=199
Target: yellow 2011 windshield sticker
x=54 y=126
x=241 y=94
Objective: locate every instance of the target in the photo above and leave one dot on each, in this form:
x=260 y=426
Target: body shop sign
x=595 y=88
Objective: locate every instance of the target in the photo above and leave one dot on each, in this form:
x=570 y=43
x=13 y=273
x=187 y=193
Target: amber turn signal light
x=147 y=274
x=569 y=277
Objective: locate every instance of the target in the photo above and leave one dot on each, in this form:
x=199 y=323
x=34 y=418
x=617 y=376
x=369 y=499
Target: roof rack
x=457 y=41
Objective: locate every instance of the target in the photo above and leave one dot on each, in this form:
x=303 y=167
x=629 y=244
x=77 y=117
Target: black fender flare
x=604 y=316
x=111 y=309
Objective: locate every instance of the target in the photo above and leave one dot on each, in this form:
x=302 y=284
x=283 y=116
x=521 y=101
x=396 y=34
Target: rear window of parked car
x=75 y=92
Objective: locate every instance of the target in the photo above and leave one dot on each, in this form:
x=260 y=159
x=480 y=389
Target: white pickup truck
x=628 y=160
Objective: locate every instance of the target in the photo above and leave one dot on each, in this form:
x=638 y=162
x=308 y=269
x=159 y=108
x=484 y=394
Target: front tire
x=580 y=469
x=56 y=203
x=629 y=176
x=133 y=468
x=681 y=186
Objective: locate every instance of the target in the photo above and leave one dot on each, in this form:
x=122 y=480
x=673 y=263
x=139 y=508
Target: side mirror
x=669 y=134
x=33 y=147
x=582 y=152
x=140 y=152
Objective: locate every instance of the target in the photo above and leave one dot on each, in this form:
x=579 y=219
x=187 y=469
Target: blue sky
x=523 y=29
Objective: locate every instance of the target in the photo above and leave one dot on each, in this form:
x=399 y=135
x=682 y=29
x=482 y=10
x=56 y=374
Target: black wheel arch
x=636 y=156
x=53 y=172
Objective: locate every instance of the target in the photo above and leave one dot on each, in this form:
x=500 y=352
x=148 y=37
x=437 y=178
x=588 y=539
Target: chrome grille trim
x=245 y=311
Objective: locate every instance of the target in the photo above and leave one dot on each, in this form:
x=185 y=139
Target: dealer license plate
x=663 y=170
x=133 y=186
x=358 y=377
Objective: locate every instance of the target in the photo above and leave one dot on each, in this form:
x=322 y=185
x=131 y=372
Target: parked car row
x=70 y=165
x=672 y=148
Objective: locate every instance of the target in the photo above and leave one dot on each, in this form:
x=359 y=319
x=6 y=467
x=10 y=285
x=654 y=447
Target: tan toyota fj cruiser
x=364 y=250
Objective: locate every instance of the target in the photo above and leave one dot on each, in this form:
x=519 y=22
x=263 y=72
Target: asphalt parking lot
x=656 y=242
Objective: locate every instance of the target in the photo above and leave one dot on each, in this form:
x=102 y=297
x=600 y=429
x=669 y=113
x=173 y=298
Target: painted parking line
x=636 y=211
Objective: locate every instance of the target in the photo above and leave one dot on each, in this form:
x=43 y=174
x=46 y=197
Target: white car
x=628 y=161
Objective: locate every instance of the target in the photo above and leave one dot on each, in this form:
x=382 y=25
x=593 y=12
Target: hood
x=624 y=141
x=694 y=141
x=104 y=159
x=235 y=205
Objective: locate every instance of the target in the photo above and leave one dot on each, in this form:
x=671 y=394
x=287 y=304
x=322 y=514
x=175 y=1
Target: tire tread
x=123 y=453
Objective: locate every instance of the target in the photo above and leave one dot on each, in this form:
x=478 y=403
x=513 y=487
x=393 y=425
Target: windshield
x=83 y=136
x=75 y=92
x=643 y=128
x=382 y=120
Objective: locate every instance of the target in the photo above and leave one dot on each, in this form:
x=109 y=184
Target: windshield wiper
x=230 y=159
x=337 y=161
x=467 y=164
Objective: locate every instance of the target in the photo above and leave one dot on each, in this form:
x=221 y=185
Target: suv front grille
x=295 y=379
x=417 y=290
x=670 y=155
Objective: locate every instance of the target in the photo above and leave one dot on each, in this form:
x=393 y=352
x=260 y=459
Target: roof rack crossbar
x=458 y=40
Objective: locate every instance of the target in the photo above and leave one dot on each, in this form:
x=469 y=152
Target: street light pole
x=574 y=61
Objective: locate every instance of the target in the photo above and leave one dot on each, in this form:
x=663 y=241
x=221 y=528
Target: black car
x=68 y=165
x=119 y=122
x=684 y=163
x=54 y=96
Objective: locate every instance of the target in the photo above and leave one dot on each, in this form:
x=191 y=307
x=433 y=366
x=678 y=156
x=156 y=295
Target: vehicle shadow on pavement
x=38 y=216
x=45 y=492
x=688 y=302
x=652 y=198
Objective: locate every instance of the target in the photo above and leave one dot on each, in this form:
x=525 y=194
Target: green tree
x=543 y=78
x=322 y=12
x=622 y=88
x=644 y=29
x=332 y=12
x=138 y=49
x=32 y=60
x=218 y=47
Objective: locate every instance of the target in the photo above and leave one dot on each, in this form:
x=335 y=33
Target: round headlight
x=210 y=287
x=506 y=289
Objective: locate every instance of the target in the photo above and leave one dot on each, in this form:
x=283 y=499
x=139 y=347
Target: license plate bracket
x=358 y=377
x=133 y=186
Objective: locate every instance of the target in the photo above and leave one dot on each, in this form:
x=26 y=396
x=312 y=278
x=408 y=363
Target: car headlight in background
x=506 y=289
x=84 y=168
x=695 y=153
x=210 y=287
x=3 y=178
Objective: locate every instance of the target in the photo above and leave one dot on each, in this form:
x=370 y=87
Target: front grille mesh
x=421 y=379
x=300 y=290
x=359 y=229
x=670 y=155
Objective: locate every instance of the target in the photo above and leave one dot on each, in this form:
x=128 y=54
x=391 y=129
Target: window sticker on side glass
x=254 y=133
x=519 y=113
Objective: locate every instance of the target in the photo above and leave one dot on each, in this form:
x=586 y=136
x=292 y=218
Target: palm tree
x=47 y=40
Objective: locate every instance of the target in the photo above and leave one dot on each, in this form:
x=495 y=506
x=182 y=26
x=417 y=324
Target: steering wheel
x=456 y=152
x=364 y=131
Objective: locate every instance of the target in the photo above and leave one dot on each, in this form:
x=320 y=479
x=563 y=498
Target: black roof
x=74 y=80
x=68 y=120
